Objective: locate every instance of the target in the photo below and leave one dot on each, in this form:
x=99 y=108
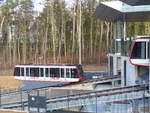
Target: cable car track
x=51 y=101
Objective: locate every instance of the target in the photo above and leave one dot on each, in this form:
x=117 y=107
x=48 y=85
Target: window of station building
x=67 y=73
x=46 y=72
x=27 y=71
x=62 y=72
x=17 y=71
x=34 y=72
x=139 y=50
x=41 y=72
x=22 y=71
x=74 y=73
x=54 y=72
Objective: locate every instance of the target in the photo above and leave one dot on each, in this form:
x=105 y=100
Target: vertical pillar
x=96 y=110
x=22 y=104
x=124 y=27
x=28 y=102
x=38 y=109
x=124 y=30
x=119 y=30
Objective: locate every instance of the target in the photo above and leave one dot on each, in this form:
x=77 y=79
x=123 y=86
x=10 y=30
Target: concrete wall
x=131 y=72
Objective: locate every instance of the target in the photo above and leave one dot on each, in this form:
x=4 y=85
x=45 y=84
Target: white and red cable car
x=49 y=72
x=140 y=52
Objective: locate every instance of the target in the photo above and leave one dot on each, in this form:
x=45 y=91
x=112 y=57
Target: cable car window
x=54 y=72
x=22 y=71
x=41 y=72
x=46 y=72
x=62 y=73
x=31 y=72
x=34 y=72
x=27 y=71
x=17 y=71
x=139 y=50
x=68 y=73
x=74 y=73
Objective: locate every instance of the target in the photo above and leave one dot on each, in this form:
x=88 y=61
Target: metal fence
x=58 y=99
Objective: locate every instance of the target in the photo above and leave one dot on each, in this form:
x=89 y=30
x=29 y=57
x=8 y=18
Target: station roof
x=118 y=11
x=136 y=2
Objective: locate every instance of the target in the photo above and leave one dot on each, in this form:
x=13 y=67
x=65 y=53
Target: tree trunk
x=73 y=33
x=53 y=32
x=79 y=31
x=100 y=42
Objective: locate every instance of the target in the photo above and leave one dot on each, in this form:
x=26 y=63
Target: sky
x=39 y=4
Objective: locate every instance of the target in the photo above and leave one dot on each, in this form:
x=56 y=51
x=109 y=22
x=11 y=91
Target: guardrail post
x=22 y=104
x=38 y=109
x=96 y=102
x=68 y=99
x=28 y=102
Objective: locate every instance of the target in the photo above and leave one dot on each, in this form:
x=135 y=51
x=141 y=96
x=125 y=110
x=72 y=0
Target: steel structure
x=113 y=95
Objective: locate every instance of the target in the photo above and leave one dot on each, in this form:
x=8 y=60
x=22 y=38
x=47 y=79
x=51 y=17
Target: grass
x=95 y=67
x=9 y=82
x=11 y=111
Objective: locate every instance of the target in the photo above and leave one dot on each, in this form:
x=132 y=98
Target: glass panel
x=22 y=71
x=74 y=73
x=54 y=72
x=17 y=71
x=46 y=72
x=27 y=71
x=67 y=73
x=139 y=50
x=34 y=72
x=41 y=72
x=62 y=73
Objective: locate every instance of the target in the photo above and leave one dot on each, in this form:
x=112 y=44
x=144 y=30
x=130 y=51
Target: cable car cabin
x=140 y=52
x=49 y=73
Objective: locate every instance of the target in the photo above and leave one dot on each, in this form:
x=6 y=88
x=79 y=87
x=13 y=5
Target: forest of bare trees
x=57 y=35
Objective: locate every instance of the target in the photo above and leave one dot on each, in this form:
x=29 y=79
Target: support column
x=124 y=30
x=119 y=30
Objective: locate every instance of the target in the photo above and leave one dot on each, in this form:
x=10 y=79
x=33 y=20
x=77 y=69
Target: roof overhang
x=119 y=11
x=136 y=2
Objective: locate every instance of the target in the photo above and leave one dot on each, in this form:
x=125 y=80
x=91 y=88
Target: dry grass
x=9 y=82
x=6 y=72
x=95 y=67
x=11 y=111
